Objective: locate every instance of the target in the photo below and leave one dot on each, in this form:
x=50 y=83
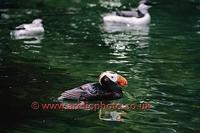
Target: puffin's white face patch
x=111 y=75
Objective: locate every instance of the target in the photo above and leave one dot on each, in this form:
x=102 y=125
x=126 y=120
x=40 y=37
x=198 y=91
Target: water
x=160 y=61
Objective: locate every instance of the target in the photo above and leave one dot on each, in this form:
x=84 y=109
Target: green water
x=160 y=61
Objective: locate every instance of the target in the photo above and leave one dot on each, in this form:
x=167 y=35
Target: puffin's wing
x=87 y=86
x=73 y=94
x=76 y=93
x=132 y=13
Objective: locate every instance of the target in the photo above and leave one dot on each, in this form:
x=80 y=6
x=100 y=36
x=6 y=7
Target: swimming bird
x=35 y=28
x=108 y=88
x=138 y=16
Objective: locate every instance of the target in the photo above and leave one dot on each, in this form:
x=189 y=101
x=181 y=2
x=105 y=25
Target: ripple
x=110 y=4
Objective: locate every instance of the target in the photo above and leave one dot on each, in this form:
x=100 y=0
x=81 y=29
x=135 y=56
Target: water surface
x=160 y=61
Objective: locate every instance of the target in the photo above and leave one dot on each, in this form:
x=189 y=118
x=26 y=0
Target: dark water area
x=161 y=63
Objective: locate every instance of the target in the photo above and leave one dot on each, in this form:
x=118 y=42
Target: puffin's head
x=109 y=77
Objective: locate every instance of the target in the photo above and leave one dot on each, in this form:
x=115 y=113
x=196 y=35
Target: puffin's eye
x=112 y=77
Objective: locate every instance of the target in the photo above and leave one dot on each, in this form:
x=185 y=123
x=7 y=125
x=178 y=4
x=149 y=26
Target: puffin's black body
x=107 y=90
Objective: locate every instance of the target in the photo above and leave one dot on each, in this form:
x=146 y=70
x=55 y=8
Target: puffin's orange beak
x=121 y=81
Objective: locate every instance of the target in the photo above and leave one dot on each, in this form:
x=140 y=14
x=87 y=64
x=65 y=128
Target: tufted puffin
x=108 y=88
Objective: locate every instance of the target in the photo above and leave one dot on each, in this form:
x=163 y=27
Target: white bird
x=138 y=16
x=32 y=29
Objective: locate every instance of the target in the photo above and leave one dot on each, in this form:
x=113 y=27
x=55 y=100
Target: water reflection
x=116 y=27
x=123 y=39
x=110 y=3
x=197 y=26
x=106 y=115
